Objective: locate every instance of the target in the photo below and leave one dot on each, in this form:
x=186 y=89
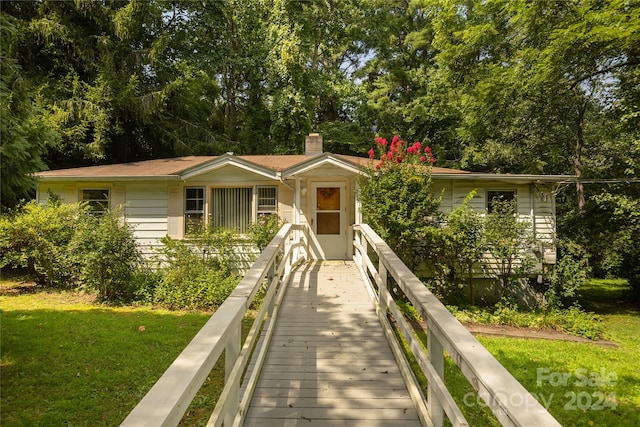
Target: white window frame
x=200 y=212
x=97 y=205
x=263 y=209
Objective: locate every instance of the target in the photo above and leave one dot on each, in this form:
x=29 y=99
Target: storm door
x=328 y=219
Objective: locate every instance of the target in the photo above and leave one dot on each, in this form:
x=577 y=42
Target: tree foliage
x=494 y=86
x=397 y=198
x=509 y=239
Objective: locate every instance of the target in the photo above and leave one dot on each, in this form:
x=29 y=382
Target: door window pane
x=328 y=210
x=328 y=223
x=328 y=198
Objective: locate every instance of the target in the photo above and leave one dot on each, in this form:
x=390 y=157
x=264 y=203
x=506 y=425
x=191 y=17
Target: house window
x=193 y=208
x=267 y=200
x=494 y=196
x=96 y=199
x=231 y=208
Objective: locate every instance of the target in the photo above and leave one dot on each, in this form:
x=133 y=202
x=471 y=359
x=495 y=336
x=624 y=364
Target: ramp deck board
x=329 y=363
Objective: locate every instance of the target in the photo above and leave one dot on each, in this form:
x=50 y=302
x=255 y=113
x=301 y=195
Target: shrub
x=576 y=321
x=264 y=230
x=105 y=255
x=65 y=246
x=568 y=275
x=458 y=247
x=196 y=274
x=572 y=320
x=37 y=237
x=508 y=238
x=204 y=289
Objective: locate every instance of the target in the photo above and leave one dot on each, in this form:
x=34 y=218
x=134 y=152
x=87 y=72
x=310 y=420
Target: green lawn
x=581 y=384
x=66 y=361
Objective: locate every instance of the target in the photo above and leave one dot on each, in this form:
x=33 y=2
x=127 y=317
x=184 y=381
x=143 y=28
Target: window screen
x=267 y=200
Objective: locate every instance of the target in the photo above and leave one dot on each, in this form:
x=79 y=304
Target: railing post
x=306 y=241
x=435 y=352
x=382 y=286
x=232 y=351
x=362 y=253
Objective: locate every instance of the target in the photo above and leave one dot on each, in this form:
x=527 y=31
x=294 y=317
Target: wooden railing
x=510 y=402
x=168 y=400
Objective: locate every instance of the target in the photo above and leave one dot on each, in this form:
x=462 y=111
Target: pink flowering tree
x=397 y=198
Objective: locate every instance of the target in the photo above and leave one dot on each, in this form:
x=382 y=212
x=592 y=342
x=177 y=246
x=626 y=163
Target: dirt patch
x=545 y=334
x=19 y=288
x=61 y=296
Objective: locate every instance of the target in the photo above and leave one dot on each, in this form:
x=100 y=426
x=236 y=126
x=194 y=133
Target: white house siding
x=545 y=223
x=532 y=206
x=145 y=210
x=444 y=189
x=57 y=189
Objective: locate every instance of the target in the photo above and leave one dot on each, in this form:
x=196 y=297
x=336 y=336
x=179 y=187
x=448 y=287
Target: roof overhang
x=321 y=160
x=228 y=160
x=511 y=178
x=70 y=178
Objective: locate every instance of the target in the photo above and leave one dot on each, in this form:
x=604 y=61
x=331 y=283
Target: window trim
x=253 y=213
x=269 y=211
x=187 y=212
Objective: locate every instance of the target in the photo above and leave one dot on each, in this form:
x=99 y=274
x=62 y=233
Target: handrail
x=510 y=402
x=168 y=400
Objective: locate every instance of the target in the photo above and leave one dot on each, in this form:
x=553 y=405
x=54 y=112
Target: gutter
x=107 y=178
x=541 y=179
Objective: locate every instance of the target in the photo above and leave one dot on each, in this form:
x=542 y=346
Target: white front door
x=329 y=219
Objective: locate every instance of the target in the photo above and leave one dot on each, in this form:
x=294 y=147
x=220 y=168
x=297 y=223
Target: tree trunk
x=577 y=159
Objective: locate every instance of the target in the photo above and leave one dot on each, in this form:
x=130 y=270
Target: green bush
x=37 y=237
x=508 y=238
x=568 y=275
x=572 y=320
x=457 y=248
x=196 y=274
x=65 y=246
x=264 y=230
x=576 y=321
x=105 y=255
x=203 y=290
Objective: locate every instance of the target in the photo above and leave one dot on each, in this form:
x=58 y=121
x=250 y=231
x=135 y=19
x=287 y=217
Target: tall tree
x=111 y=79
x=24 y=139
x=531 y=77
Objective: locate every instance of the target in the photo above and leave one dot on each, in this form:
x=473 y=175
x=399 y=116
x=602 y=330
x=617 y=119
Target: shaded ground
x=516 y=332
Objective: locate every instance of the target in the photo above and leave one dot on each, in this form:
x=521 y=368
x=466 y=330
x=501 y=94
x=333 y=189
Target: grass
x=581 y=384
x=66 y=361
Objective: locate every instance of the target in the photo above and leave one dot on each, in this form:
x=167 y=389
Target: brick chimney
x=313 y=145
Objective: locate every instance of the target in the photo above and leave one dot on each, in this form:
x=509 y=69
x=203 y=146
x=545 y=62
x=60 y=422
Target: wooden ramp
x=329 y=363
